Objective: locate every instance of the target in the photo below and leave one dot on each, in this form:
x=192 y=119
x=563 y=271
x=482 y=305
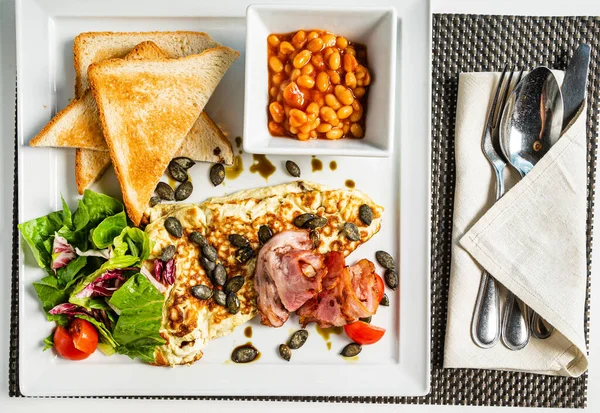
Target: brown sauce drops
x=329 y=345
x=235 y=170
x=248 y=331
x=317 y=165
x=238 y=141
x=263 y=166
x=350 y=183
x=333 y=165
x=327 y=332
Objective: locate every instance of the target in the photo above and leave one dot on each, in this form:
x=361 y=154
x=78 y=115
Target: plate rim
x=419 y=388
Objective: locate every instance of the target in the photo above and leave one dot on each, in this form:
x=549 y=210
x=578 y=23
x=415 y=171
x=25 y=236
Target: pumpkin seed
x=234 y=284
x=220 y=297
x=164 y=191
x=198 y=238
x=168 y=253
x=217 y=174
x=302 y=219
x=209 y=252
x=244 y=254
x=219 y=275
x=244 y=354
x=298 y=339
x=202 y=292
x=238 y=241
x=173 y=227
x=177 y=172
x=391 y=279
x=233 y=303
x=315 y=238
x=184 y=191
x=264 y=234
x=185 y=163
x=351 y=231
x=365 y=213
x=315 y=223
x=155 y=200
x=292 y=168
x=366 y=319
x=207 y=264
x=385 y=301
x=385 y=260
x=351 y=350
x=285 y=352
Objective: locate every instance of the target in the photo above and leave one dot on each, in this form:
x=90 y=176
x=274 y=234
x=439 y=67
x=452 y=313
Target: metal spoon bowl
x=532 y=119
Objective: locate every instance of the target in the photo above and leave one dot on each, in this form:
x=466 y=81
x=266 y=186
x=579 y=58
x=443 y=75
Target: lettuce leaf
x=66 y=275
x=110 y=228
x=67 y=216
x=81 y=216
x=49 y=341
x=137 y=330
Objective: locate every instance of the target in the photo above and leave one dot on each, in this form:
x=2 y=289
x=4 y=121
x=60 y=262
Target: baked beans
x=318 y=84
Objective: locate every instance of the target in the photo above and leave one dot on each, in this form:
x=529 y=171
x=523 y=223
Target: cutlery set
x=527 y=116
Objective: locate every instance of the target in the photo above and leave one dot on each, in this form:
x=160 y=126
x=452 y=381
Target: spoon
x=530 y=125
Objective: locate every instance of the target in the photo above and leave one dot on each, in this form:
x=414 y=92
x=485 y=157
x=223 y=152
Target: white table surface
x=10 y=405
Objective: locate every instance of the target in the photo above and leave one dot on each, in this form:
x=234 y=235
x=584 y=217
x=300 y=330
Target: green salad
x=93 y=261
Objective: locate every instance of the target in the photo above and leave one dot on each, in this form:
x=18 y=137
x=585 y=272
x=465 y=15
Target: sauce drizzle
x=350 y=183
x=263 y=166
x=317 y=165
x=235 y=170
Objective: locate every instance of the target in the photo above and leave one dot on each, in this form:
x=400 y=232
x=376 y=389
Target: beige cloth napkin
x=532 y=241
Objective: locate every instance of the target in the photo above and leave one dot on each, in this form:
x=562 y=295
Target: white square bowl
x=374 y=27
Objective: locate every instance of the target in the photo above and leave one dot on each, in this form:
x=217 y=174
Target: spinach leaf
x=71 y=271
x=100 y=206
x=39 y=233
x=133 y=241
x=50 y=293
x=110 y=228
x=81 y=216
x=67 y=216
x=137 y=330
x=49 y=341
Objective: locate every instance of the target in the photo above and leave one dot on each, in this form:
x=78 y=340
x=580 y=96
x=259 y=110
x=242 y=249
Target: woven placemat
x=460 y=43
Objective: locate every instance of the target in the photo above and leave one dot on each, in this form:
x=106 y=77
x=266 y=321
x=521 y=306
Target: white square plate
x=396 y=366
x=375 y=27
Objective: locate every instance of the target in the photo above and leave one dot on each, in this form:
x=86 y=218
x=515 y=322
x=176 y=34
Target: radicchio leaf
x=105 y=253
x=105 y=285
x=68 y=309
x=165 y=271
x=62 y=252
x=146 y=273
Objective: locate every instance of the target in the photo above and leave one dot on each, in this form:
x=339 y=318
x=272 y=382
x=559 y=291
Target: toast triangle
x=146 y=109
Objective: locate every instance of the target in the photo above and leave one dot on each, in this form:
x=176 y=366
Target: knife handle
x=515 y=329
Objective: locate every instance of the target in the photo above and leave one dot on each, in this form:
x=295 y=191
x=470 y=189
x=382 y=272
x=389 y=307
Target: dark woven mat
x=460 y=43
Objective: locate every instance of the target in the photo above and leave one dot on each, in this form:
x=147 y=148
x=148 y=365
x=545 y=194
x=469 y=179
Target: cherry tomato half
x=84 y=335
x=363 y=333
x=78 y=342
x=380 y=287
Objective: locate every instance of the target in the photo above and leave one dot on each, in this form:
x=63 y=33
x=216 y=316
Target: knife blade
x=575 y=83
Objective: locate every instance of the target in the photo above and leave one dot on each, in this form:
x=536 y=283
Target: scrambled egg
x=189 y=323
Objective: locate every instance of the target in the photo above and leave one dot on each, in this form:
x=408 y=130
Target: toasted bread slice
x=146 y=108
x=205 y=141
x=94 y=47
x=208 y=145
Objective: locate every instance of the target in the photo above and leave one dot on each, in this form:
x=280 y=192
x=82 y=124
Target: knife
x=575 y=83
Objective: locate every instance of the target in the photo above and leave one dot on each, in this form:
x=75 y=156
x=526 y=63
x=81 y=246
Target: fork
x=485 y=327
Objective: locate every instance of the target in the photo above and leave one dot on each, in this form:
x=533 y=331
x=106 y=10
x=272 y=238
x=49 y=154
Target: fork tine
x=492 y=112
x=504 y=98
